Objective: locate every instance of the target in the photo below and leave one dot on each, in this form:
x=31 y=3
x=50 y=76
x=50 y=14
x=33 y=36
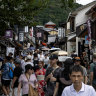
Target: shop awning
x=72 y=37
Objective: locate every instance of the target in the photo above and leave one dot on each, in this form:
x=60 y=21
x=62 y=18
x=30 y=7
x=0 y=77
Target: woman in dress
x=40 y=73
x=25 y=79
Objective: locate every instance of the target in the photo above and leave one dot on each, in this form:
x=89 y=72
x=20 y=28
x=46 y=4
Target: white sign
x=26 y=29
x=21 y=37
x=51 y=39
x=10 y=50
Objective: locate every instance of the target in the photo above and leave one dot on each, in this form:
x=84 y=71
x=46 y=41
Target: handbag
x=32 y=91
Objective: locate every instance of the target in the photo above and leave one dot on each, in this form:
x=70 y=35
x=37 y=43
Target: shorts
x=5 y=82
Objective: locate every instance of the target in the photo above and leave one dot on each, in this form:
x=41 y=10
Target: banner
x=31 y=32
x=89 y=32
x=86 y=40
x=21 y=37
x=9 y=34
x=10 y=50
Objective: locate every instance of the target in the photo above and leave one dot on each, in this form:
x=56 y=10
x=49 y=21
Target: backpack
x=10 y=74
x=94 y=72
x=10 y=71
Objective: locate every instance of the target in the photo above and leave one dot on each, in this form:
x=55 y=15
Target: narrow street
x=47 y=46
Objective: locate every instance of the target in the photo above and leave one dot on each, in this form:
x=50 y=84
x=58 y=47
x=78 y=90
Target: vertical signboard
x=21 y=37
x=31 y=32
x=89 y=32
x=86 y=40
x=26 y=29
x=9 y=34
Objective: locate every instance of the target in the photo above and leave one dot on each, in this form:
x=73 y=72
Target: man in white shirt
x=78 y=88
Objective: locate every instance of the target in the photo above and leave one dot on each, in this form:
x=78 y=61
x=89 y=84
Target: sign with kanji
x=39 y=34
x=21 y=37
x=9 y=33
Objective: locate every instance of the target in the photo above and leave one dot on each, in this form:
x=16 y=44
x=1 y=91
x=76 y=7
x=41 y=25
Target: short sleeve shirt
x=51 y=85
x=92 y=69
x=25 y=83
x=86 y=90
x=92 y=66
x=84 y=71
x=17 y=72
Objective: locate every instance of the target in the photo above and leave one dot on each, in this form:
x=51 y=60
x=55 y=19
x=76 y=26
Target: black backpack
x=94 y=72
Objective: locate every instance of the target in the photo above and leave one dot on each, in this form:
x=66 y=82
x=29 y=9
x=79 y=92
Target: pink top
x=25 y=83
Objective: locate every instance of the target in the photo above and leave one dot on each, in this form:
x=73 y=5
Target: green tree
x=68 y=3
x=56 y=11
x=19 y=12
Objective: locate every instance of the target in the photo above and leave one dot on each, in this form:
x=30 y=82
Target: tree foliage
x=57 y=11
x=33 y=12
x=68 y=3
x=19 y=12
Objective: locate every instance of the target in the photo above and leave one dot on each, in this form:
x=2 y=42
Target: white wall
x=81 y=17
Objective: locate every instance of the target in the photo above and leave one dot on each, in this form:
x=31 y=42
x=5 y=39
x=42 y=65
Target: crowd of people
x=45 y=73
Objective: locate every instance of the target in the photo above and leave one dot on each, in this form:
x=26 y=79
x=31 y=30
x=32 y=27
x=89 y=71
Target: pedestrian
x=93 y=72
x=41 y=56
x=5 y=76
x=2 y=61
x=28 y=61
x=25 y=79
x=78 y=62
x=78 y=88
x=46 y=61
x=84 y=59
x=64 y=79
x=40 y=74
x=35 y=61
x=51 y=74
x=16 y=74
x=22 y=65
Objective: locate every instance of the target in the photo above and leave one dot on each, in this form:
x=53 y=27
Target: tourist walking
x=40 y=74
x=78 y=88
x=25 y=79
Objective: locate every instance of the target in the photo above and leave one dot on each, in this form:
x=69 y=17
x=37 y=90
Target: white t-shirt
x=41 y=57
x=46 y=60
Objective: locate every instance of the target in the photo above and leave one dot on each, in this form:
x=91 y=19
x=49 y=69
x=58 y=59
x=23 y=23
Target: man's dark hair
x=76 y=68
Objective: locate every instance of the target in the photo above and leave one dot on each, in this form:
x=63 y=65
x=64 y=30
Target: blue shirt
x=86 y=90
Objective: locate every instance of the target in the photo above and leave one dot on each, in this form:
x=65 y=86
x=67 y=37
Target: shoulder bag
x=32 y=91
